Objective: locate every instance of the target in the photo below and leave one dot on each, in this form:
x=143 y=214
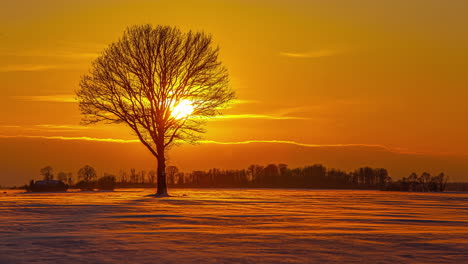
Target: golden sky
x=392 y=74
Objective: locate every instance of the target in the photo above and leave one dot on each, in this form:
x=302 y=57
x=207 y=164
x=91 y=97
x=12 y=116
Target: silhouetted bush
x=85 y=185
x=106 y=182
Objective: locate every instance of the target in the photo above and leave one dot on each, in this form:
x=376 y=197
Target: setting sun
x=182 y=109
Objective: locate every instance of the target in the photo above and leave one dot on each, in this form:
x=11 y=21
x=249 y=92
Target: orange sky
x=392 y=74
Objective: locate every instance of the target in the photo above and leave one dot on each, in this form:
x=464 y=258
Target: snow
x=234 y=226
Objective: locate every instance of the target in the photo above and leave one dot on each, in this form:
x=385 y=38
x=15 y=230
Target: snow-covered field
x=234 y=226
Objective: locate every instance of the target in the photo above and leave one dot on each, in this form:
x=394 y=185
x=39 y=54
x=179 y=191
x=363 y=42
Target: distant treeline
x=422 y=183
x=280 y=176
x=308 y=177
x=256 y=176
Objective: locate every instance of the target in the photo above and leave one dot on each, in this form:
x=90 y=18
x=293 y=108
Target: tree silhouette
x=152 y=176
x=160 y=82
x=107 y=182
x=171 y=172
x=87 y=173
x=440 y=181
x=133 y=175
x=47 y=173
x=142 y=176
x=123 y=176
x=424 y=179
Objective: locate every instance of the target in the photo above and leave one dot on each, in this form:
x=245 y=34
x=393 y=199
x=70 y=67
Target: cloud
x=255 y=116
x=51 y=54
x=10 y=126
x=288 y=142
x=72 y=55
x=46 y=128
x=29 y=67
x=321 y=106
x=310 y=54
x=62 y=126
x=58 y=98
x=67 y=60
x=115 y=140
x=294 y=143
x=240 y=101
x=58 y=128
x=234 y=102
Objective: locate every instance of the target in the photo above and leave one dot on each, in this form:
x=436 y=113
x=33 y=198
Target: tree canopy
x=161 y=82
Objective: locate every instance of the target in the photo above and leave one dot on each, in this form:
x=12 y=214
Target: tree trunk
x=162 y=186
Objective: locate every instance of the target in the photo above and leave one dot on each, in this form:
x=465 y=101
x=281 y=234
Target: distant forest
x=256 y=176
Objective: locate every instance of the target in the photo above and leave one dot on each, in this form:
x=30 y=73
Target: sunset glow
x=182 y=110
x=234 y=131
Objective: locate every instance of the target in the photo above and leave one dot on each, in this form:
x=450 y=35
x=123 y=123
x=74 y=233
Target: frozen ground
x=234 y=226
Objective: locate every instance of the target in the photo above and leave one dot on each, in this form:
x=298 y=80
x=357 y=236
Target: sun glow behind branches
x=183 y=109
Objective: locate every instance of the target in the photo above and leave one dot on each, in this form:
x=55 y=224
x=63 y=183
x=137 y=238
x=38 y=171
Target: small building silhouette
x=47 y=186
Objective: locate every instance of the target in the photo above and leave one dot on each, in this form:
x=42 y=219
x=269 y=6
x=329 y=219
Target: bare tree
x=171 y=172
x=47 y=173
x=160 y=82
x=152 y=176
x=142 y=176
x=87 y=173
x=424 y=180
x=123 y=176
x=133 y=175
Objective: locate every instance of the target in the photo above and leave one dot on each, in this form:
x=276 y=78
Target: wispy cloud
x=51 y=60
x=310 y=54
x=397 y=150
x=235 y=102
x=10 y=126
x=292 y=143
x=256 y=116
x=287 y=142
x=75 y=127
x=59 y=98
x=30 y=67
x=241 y=101
x=51 y=54
x=115 y=140
x=45 y=128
